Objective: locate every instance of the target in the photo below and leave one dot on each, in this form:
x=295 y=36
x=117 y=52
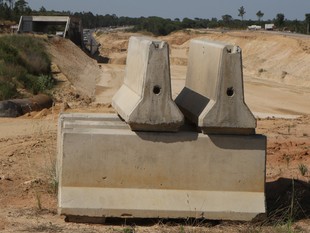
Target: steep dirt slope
x=82 y=71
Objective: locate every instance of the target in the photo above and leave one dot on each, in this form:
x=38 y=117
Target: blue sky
x=292 y=9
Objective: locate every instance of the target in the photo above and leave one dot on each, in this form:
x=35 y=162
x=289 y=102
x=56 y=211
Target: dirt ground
x=28 y=193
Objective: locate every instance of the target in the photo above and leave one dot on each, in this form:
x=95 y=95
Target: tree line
x=12 y=10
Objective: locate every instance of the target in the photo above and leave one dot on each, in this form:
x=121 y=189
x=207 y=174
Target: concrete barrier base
x=107 y=170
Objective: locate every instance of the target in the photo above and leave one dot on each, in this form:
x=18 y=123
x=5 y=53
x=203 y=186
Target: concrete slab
x=107 y=170
x=213 y=96
x=144 y=101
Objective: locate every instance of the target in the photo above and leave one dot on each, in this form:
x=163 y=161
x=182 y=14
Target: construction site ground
x=277 y=90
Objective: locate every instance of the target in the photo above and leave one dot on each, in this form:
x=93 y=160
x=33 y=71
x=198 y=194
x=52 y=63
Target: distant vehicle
x=60 y=33
x=269 y=27
x=254 y=27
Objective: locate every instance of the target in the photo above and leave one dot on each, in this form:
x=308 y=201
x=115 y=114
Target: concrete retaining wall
x=107 y=170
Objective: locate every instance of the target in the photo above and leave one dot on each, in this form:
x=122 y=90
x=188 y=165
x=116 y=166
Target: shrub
x=8 y=53
x=42 y=83
x=7 y=90
x=37 y=84
x=24 y=63
x=28 y=52
x=303 y=169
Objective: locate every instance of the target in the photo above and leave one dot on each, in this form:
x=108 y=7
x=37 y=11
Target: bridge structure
x=64 y=26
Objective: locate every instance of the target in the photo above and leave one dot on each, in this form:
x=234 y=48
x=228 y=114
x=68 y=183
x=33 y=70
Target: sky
x=292 y=9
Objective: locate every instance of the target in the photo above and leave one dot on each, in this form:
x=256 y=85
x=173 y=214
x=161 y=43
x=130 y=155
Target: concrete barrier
x=144 y=101
x=213 y=97
x=107 y=170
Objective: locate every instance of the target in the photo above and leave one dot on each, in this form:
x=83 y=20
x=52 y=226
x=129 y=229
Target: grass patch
x=7 y=90
x=287 y=202
x=37 y=84
x=24 y=63
x=52 y=177
x=303 y=169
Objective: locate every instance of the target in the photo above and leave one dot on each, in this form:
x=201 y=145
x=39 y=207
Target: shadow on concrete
x=94 y=53
x=168 y=137
x=233 y=142
x=186 y=133
x=149 y=222
x=186 y=98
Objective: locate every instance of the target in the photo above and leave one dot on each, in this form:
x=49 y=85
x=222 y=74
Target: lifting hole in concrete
x=156 y=90
x=230 y=91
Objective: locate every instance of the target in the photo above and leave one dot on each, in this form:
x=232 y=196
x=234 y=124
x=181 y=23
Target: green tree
x=227 y=19
x=213 y=23
x=42 y=9
x=242 y=12
x=279 y=21
x=7 y=12
x=1 y=9
x=308 y=22
x=10 y=3
x=259 y=15
x=21 y=5
x=188 y=23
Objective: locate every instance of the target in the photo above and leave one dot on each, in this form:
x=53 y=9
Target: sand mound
x=279 y=58
x=275 y=57
x=114 y=46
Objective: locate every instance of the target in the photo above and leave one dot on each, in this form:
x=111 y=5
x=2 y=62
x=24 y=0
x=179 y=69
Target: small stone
x=65 y=106
x=9 y=179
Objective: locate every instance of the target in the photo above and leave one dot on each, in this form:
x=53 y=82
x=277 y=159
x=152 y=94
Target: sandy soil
x=28 y=198
x=280 y=58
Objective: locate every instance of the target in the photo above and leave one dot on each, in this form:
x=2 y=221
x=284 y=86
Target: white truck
x=254 y=27
x=269 y=26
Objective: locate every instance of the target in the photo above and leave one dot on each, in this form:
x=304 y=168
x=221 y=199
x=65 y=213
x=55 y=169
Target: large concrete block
x=144 y=101
x=213 y=96
x=107 y=170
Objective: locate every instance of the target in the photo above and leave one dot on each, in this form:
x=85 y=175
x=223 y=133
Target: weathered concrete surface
x=213 y=97
x=107 y=170
x=144 y=101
